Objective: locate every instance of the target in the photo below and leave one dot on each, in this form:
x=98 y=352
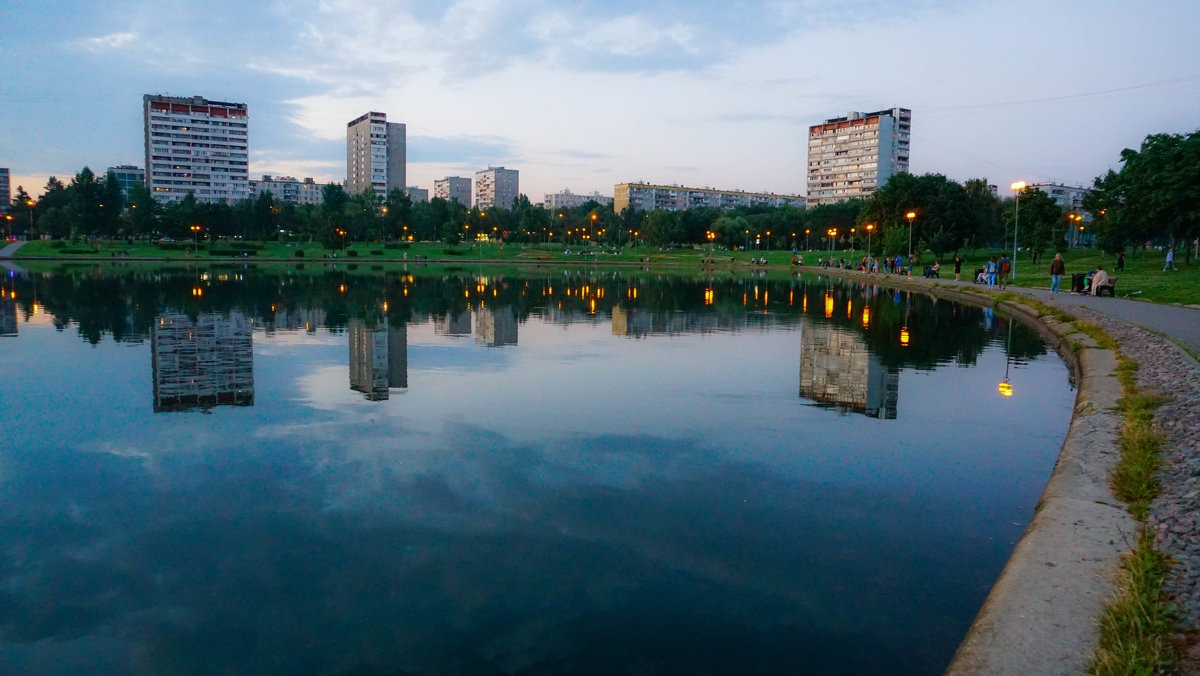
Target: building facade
x=198 y=146
x=375 y=154
x=288 y=189
x=649 y=197
x=127 y=176
x=418 y=194
x=496 y=187
x=565 y=199
x=1069 y=197
x=851 y=157
x=5 y=190
x=453 y=188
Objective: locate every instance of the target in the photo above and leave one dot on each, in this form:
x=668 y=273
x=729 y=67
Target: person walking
x=1121 y=262
x=957 y=267
x=1170 y=260
x=1003 y=269
x=1057 y=269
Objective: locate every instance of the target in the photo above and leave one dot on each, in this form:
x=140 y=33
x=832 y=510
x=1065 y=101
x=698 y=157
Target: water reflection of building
x=453 y=324
x=637 y=323
x=838 y=369
x=378 y=359
x=204 y=362
x=495 y=327
x=8 y=317
x=307 y=319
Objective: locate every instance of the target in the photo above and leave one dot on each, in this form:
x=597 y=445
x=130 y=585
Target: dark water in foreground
x=368 y=472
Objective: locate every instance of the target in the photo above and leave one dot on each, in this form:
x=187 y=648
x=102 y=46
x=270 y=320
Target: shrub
x=376 y=252
x=299 y=253
x=352 y=253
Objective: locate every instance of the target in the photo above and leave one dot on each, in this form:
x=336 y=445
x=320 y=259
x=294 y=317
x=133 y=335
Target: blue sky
x=584 y=94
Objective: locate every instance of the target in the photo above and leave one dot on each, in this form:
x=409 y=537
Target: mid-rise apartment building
x=496 y=187
x=565 y=199
x=198 y=146
x=418 y=194
x=649 y=197
x=375 y=154
x=453 y=188
x=1069 y=197
x=853 y=156
x=288 y=189
x=127 y=176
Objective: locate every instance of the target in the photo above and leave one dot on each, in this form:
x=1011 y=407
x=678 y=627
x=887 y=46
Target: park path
x=8 y=251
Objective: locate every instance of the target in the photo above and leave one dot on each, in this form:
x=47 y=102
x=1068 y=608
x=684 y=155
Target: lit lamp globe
x=1005 y=388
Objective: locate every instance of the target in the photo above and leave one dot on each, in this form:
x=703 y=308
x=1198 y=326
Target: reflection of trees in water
x=123 y=304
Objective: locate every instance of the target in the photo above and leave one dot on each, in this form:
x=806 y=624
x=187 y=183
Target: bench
x=1108 y=288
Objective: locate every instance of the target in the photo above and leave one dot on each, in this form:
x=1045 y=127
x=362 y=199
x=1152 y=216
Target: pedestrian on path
x=1057 y=269
x=957 y=267
x=1170 y=260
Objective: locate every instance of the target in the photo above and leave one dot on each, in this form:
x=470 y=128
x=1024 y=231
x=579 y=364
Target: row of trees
x=1153 y=197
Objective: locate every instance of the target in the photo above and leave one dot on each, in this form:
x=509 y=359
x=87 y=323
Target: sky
x=585 y=94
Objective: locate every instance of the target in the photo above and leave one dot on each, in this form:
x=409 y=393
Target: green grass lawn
x=1143 y=277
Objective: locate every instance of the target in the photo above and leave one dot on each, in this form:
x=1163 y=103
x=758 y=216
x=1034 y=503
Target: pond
x=474 y=471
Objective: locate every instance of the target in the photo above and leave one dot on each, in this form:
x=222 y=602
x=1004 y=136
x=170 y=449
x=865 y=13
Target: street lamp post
x=31 y=204
x=1017 y=188
x=196 y=235
x=870 y=228
x=832 y=232
x=911 y=216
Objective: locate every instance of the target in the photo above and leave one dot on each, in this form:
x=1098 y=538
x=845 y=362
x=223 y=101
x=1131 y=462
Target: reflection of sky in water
x=579 y=502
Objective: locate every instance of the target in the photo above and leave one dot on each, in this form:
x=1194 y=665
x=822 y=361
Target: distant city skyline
x=589 y=95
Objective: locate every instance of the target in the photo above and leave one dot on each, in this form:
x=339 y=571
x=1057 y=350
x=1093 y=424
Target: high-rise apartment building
x=5 y=190
x=127 y=176
x=203 y=361
x=198 y=146
x=853 y=156
x=375 y=154
x=650 y=197
x=418 y=194
x=453 y=188
x=496 y=187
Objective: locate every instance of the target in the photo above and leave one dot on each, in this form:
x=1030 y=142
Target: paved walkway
x=11 y=249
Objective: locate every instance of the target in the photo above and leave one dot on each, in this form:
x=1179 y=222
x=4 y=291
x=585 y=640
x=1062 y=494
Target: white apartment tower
x=196 y=145
x=375 y=154
x=852 y=156
x=496 y=187
x=453 y=188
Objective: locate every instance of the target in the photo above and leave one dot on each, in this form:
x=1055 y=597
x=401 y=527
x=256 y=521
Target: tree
x=397 y=214
x=112 y=205
x=143 y=214
x=1040 y=222
x=85 y=200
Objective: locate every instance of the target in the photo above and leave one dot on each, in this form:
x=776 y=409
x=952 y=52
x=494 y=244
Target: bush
x=376 y=252
x=396 y=245
x=58 y=244
x=452 y=252
x=352 y=253
x=299 y=253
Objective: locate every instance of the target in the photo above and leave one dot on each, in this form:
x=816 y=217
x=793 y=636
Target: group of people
x=994 y=272
x=1094 y=280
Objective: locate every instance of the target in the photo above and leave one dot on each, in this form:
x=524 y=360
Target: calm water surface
x=363 y=471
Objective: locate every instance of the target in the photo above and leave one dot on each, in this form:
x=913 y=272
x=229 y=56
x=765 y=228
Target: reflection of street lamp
x=1017 y=188
x=1005 y=388
x=911 y=216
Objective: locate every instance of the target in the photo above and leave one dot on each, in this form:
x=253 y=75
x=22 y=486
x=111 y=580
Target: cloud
x=108 y=42
x=468 y=150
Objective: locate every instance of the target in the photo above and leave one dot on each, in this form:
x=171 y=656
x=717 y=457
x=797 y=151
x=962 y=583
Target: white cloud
x=107 y=42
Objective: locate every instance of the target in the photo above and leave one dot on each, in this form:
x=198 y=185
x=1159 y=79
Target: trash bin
x=1077 y=282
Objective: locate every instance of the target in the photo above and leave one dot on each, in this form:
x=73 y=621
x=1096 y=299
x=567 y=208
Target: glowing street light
x=911 y=216
x=870 y=227
x=1017 y=188
x=196 y=234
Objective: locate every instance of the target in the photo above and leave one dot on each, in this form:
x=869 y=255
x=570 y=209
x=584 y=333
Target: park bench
x=1108 y=288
